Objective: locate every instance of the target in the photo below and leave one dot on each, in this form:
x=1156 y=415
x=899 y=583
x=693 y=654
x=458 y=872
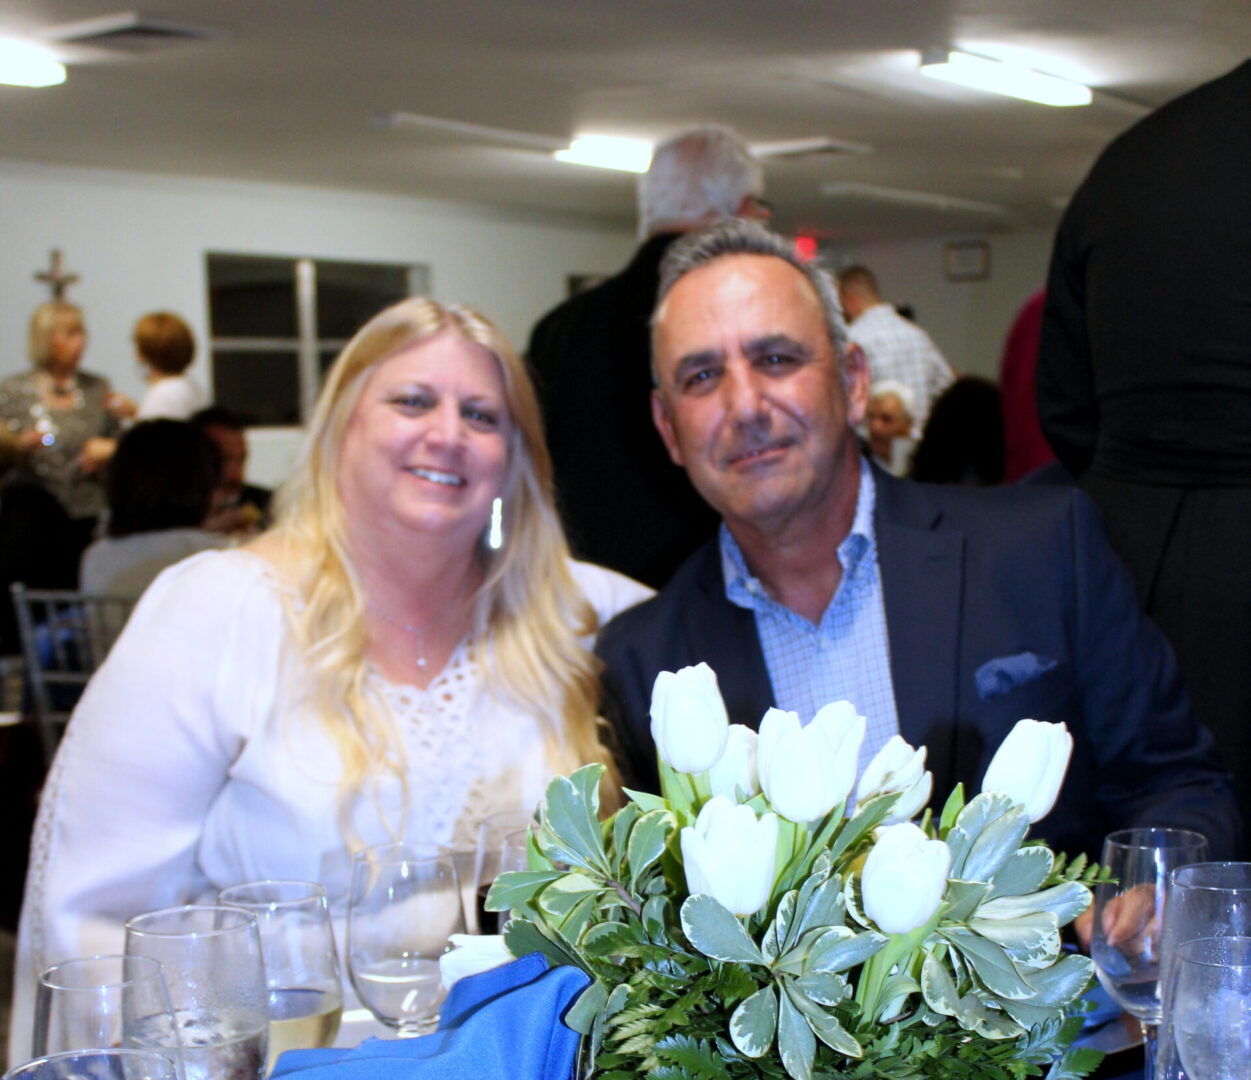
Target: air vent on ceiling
x=820 y=145
x=129 y=31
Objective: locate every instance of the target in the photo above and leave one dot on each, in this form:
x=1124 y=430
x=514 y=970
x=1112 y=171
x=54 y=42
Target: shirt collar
x=857 y=552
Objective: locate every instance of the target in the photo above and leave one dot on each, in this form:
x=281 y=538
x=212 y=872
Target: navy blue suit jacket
x=1000 y=604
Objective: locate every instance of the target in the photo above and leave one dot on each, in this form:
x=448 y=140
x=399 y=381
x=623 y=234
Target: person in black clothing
x=239 y=508
x=1144 y=381
x=623 y=503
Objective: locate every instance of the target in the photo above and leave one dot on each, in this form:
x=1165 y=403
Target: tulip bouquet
x=768 y=917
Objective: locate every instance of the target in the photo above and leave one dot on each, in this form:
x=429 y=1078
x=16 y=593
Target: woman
x=165 y=348
x=65 y=418
x=371 y=668
x=160 y=485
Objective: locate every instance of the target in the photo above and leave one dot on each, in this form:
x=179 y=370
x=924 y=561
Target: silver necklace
x=417 y=632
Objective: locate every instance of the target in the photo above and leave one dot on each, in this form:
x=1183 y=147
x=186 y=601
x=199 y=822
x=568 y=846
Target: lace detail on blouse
x=447 y=753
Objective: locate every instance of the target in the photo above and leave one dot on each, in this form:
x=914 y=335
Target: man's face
x=887 y=421
x=751 y=401
x=233 y=447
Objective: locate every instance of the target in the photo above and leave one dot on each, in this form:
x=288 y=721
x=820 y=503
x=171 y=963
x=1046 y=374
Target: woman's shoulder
x=607 y=591
x=212 y=584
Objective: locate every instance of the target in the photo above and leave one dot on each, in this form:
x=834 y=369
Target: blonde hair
x=44 y=321
x=529 y=614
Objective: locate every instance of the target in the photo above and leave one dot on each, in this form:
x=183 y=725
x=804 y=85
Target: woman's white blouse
x=192 y=763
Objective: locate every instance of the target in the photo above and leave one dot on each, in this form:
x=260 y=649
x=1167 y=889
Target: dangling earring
x=495 y=531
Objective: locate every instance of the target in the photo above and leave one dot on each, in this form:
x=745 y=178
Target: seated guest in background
x=963 y=438
x=67 y=420
x=405 y=653
x=35 y=539
x=165 y=347
x=945 y=614
x=161 y=484
x=239 y=508
x=890 y=424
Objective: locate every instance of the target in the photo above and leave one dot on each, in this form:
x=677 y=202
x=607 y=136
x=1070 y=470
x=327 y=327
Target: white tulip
x=1030 y=764
x=731 y=855
x=689 y=721
x=736 y=769
x=898 y=767
x=807 y=771
x=904 y=878
x=471 y=954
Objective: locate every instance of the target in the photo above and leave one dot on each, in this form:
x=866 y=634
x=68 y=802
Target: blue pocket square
x=1006 y=673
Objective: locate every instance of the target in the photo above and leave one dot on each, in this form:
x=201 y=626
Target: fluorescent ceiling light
x=608 y=152
x=850 y=189
x=1003 y=78
x=24 y=64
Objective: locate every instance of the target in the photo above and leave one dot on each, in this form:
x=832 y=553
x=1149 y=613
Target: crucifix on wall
x=55 y=277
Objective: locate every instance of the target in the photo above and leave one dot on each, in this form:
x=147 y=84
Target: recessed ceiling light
x=1000 y=77
x=608 y=152
x=25 y=64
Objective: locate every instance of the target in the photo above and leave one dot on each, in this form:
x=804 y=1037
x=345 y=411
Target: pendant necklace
x=418 y=633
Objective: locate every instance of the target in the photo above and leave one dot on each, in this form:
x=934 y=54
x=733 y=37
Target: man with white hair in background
x=896 y=347
x=892 y=432
x=623 y=503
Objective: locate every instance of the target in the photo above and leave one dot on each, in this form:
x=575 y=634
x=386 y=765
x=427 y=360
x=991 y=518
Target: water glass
x=305 y=988
x=493 y=834
x=100 y=1064
x=405 y=905
x=211 y=956
x=1210 y=1008
x=101 y=1002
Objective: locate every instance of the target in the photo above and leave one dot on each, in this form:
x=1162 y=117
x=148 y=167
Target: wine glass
x=101 y=1002
x=113 y=1063
x=1207 y=900
x=211 y=956
x=512 y=857
x=405 y=905
x=492 y=833
x=1210 y=1007
x=1125 y=943
x=301 y=964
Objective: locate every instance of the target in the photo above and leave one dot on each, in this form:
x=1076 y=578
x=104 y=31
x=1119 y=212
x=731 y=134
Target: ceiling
x=287 y=90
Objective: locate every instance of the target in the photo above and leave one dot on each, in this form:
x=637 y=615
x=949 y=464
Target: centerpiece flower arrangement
x=769 y=917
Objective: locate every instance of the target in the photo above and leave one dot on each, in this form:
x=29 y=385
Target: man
x=239 y=508
x=1144 y=381
x=945 y=614
x=890 y=423
x=896 y=347
x=622 y=502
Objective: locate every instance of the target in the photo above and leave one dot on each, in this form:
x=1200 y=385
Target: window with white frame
x=276 y=324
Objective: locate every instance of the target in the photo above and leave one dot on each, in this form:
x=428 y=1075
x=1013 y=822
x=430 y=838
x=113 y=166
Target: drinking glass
x=101 y=1002
x=1210 y=1008
x=492 y=834
x=465 y=859
x=302 y=975
x=1128 y=920
x=211 y=956
x=1207 y=900
x=405 y=905
x=101 y=1064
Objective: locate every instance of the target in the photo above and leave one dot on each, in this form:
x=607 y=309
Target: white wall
x=138 y=241
x=967 y=320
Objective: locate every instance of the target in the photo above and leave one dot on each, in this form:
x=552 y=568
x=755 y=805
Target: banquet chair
x=65 y=636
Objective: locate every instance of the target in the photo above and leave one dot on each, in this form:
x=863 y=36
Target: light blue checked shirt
x=847 y=654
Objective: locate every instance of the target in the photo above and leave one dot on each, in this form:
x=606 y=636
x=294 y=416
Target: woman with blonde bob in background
x=404 y=653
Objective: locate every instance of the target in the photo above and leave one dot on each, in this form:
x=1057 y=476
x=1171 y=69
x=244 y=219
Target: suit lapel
x=922 y=571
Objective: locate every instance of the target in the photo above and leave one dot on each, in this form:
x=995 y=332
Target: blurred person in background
x=963 y=438
x=239 y=508
x=67 y=420
x=891 y=426
x=165 y=347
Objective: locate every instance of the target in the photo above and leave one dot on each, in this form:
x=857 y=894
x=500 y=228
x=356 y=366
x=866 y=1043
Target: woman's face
x=426 y=447
x=65 y=345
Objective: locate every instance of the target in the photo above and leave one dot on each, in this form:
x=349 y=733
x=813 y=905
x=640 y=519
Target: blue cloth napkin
x=504 y=1024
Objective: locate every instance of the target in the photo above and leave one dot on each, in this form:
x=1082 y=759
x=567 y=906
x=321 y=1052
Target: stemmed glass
x=1205 y=902
x=1210 y=1007
x=301 y=964
x=101 y=1064
x=493 y=834
x=405 y=905
x=211 y=957
x=100 y=1002
x=1126 y=940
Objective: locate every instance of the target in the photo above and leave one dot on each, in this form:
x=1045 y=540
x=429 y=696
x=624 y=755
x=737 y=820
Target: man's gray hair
x=697 y=174
x=737 y=236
